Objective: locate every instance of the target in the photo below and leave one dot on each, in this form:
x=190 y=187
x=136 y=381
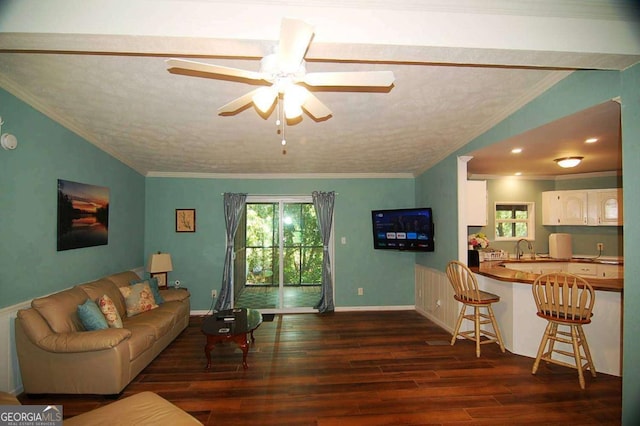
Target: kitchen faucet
x=519 y=252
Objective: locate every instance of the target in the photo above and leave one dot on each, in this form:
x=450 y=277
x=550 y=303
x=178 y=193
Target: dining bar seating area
x=564 y=300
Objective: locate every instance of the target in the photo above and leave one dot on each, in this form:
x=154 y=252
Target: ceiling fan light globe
x=264 y=98
x=296 y=94
x=292 y=110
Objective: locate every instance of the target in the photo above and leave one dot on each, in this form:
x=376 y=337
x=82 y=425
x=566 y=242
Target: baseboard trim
x=197 y=313
x=376 y=308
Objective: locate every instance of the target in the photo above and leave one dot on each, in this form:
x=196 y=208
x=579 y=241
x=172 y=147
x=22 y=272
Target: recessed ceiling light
x=568 y=162
x=518 y=173
x=516 y=150
x=591 y=140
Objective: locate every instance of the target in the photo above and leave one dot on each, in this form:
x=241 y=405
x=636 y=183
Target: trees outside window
x=301 y=244
x=514 y=220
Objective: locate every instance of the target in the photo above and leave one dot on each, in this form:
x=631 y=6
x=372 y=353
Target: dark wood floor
x=363 y=368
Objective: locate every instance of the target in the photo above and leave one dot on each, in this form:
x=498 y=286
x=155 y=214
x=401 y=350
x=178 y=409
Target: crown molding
x=550 y=177
x=262 y=176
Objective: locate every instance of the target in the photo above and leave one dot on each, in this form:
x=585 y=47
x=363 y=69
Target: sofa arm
x=173 y=294
x=84 y=341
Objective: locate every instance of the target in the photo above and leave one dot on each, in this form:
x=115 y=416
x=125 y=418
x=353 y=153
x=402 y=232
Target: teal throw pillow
x=155 y=290
x=91 y=316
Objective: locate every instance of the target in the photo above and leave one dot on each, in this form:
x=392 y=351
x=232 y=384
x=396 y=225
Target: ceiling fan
x=284 y=72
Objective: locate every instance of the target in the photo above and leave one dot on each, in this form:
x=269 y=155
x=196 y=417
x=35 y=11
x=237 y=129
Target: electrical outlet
x=214 y=293
x=600 y=246
x=360 y=291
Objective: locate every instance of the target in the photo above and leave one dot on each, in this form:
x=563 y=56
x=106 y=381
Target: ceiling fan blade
x=295 y=36
x=212 y=69
x=357 y=78
x=237 y=103
x=316 y=108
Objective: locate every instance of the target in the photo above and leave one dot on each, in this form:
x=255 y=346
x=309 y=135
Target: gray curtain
x=233 y=209
x=323 y=204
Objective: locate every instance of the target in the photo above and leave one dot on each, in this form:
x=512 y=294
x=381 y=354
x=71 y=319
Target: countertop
x=493 y=269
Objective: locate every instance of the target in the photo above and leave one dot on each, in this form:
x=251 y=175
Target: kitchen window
x=514 y=220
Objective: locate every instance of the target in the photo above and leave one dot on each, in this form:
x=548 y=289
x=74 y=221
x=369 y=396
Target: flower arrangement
x=478 y=241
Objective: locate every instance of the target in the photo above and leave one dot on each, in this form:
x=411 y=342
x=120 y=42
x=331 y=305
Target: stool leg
x=543 y=344
x=458 y=323
x=495 y=328
x=553 y=334
x=587 y=353
x=476 y=320
x=576 y=354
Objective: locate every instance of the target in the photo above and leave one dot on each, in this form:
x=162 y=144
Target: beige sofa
x=144 y=408
x=57 y=355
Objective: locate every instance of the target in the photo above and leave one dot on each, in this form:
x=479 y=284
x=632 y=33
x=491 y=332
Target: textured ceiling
x=114 y=90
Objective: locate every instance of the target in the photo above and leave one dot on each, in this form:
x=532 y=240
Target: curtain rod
x=278 y=195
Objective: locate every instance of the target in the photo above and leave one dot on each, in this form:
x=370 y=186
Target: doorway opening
x=278 y=256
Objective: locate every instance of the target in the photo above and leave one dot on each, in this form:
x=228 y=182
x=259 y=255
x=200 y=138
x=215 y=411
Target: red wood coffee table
x=231 y=325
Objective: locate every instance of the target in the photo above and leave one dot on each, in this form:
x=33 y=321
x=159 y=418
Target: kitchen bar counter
x=499 y=270
x=522 y=329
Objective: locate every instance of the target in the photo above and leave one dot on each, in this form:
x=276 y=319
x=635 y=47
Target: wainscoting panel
x=10 y=372
x=434 y=297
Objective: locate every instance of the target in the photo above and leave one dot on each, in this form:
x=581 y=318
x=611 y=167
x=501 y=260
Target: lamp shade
x=160 y=262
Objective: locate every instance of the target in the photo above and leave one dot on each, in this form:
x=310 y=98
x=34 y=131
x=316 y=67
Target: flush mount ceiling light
x=516 y=150
x=568 y=162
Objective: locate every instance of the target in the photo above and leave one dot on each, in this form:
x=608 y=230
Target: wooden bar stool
x=466 y=291
x=564 y=300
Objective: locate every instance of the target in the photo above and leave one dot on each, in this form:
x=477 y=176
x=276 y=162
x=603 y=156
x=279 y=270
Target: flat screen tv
x=403 y=229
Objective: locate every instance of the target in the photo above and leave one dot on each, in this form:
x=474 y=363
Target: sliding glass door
x=279 y=255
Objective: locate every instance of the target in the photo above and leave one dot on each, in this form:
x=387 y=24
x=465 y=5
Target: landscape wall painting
x=83 y=215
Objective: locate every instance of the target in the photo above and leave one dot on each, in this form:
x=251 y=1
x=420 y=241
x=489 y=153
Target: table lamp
x=159 y=265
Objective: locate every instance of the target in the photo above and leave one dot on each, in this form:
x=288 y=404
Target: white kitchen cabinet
x=550 y=208
x=476 y=214
x=583 y=269
x=605 y=207
x=610 y=271
x=547 y=268
x=564 y=208
x=593 y=207
x=587 y=270
x=573 y=207
x=538 y=267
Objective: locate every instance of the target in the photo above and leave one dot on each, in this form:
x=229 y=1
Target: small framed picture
x=185 y=220
x=162 y=279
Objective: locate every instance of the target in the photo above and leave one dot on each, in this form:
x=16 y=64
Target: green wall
x=30 y=266
x=630 y=93
x=387 y=277
x=437 y=188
